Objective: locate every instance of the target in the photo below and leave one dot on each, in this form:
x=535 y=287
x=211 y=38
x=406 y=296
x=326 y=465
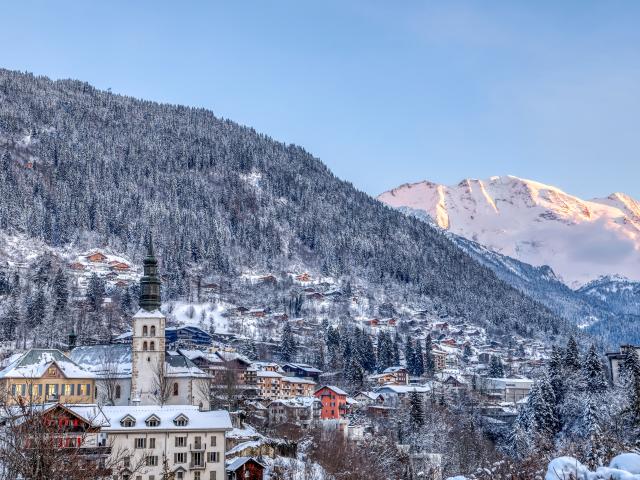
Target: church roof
x=34 y=364
x=179 y=366
x=113 y=360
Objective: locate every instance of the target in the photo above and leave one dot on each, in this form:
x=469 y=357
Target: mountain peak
x=534 y=222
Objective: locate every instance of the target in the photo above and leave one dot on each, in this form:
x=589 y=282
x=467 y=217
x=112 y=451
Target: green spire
x=150 y=282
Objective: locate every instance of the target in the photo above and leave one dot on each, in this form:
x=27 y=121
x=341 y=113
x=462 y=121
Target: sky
x=383 y=92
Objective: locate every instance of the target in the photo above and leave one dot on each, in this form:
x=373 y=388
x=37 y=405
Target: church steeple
x=150 y=282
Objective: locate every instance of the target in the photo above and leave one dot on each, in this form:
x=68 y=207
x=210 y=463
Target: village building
x=616 y=359
x=302 y=411
x=46 y=375
x=505 y=389
x=391 y=375
x=191 y=442
x=334 y=402
x=302 y=370
x=245 y=468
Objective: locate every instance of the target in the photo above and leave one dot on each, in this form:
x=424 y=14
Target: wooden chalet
x=96 y=257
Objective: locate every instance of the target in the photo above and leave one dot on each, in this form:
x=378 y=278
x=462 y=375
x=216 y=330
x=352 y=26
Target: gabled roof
x=198 y=420
x=236 y=463
x=335 y=389
x=34 y=364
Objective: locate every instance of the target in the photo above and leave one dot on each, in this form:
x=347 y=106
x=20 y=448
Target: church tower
x=148 y=341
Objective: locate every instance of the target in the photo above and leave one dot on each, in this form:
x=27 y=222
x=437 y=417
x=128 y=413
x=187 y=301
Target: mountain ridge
x=536 y=223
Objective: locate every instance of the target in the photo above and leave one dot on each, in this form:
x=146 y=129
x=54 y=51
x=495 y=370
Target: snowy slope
x=535 y=223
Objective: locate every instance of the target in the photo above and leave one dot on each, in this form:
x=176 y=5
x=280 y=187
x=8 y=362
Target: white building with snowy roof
x=191 y=442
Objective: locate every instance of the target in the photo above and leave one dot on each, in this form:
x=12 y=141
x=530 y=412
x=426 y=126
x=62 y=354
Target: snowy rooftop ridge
x=211 y=420
x=35 y=362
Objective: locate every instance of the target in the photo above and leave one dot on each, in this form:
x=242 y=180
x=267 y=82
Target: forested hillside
x=89 y=168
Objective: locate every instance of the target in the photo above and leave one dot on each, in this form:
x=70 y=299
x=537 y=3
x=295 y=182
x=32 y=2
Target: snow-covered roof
x=104 y=360
x=337 y=390
x=236 y=463
x=268 y=373
x=403 y=389
x=34 y=364
x=394 y=369
x=298 y=380
x=178 y=366
x=197 y=420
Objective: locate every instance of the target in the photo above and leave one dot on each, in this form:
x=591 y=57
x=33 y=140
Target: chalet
x=186 y=336
x=245 y=468
x=77 y=266
x=270 y=279
x=302 y=370
x=257 y=312
x=334 y=402
x=365 y=399
x=280 y=316
x=75 y=426
x=373 y=322
x=394 y=394
x=392 y=375
x=119 y=266
x=315 y=296
x=96 y=257
x=212 y=287
x=303 y=411
x=45 y=375
x=303 y=277
x=441 y=327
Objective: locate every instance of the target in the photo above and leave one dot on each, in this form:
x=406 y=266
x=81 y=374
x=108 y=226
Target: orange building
x=334 y=402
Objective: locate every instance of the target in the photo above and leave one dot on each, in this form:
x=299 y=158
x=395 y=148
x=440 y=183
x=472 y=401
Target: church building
x=144 y=373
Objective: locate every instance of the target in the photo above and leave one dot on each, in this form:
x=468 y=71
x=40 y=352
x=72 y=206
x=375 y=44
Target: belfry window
x=152 y=346
x=145 y=332
x=153 y=331
x=144 y=346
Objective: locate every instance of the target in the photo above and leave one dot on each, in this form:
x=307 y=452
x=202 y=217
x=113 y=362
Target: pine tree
x=249 y=349
x=594 y=449
x=571 y=361
x=60 y=293
x=521 y=439
x=409 y=357
x=541 y=405
x=593 y=372
x=418 y=359
x=288 y=345
x=96 y=292
x=416 y=410
x=396 y=350
x=466 y=353
x=496 y=369
x=385 y=351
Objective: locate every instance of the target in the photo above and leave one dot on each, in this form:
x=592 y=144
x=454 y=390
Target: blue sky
x=382 y=92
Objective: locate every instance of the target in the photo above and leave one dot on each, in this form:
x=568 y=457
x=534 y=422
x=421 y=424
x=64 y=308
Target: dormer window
x=128 y=421
x=181 y=420
x=51 y=371
x=152 y=421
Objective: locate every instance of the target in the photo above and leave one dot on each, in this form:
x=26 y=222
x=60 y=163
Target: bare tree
x=42 y=442
x=161 y=383
x=111 y=377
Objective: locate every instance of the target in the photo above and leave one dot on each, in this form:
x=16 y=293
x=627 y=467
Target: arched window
x=145 y=332
x=118 y=391
x=175 y=389
x=152 y=346
x=153 y=331
x=144 y=346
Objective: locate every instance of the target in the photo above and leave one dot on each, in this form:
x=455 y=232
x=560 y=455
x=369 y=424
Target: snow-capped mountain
x=538 y=224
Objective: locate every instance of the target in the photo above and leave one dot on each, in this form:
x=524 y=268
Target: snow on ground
x=199 y=315
x=623 y=467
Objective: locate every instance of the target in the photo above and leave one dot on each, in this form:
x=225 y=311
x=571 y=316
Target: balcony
x=197 y=465
x=197 y=447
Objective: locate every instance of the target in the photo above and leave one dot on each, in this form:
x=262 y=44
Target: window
x=153 y=421
x=181 y=441
x=118 y=391
x=152 y=442
x=153 y=331
x=88 y=389
x=127 y=461
x=128 y=421
x=39 y=389
x=196 y=475
x=144 y=346
x=213 y=440
x=180 y=457
x=151 y=461
x=144 y=331
x=152 y=477
x=213 y=457
x=179 y=475
x=52 y=371
x=140 y=442
x=213 y=475
x=175 y=390
x=67 y=389
x=152 y=346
